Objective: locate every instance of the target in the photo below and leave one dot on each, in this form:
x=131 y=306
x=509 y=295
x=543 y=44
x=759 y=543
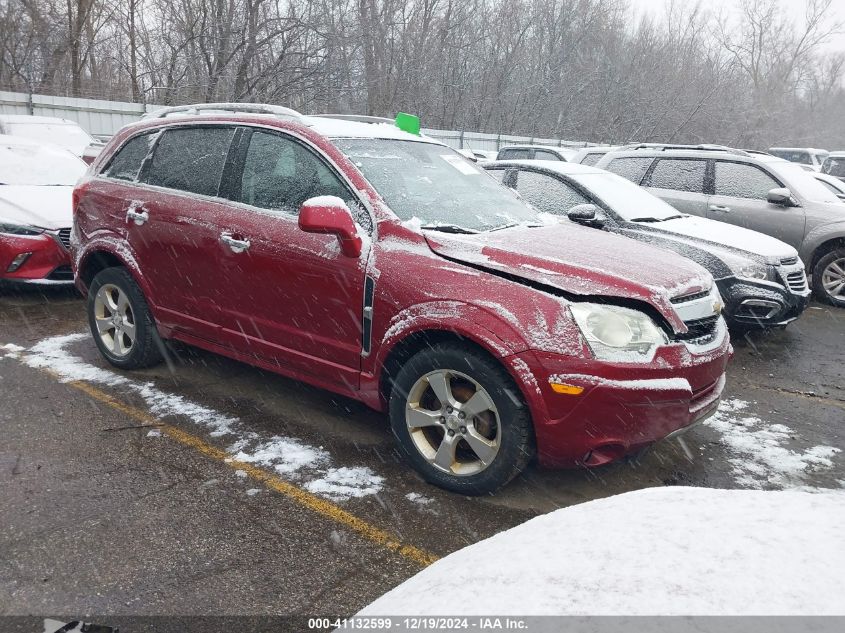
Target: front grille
x=700 y=330
x=64 y=237
x=789 y=261
x=688 y=298
x=797 y=281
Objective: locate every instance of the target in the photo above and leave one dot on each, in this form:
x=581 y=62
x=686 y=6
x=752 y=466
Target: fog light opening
x=17 y=262
x=604 y=454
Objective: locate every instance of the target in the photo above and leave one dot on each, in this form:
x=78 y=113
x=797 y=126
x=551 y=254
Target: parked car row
x=497 y=312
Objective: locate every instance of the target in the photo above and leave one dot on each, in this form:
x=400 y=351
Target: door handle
x=137 y=213
x=237 y=246
x=716 y=208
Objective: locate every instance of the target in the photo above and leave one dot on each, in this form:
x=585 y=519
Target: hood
x=43 y=207
x=581 y=262
x=722 y=234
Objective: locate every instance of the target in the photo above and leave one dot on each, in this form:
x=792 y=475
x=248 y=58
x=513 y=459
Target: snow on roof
x=659 y=551
x=10 y=140
x=558 y=166
x=28 y=118
x=338 y=128
x=813 y=150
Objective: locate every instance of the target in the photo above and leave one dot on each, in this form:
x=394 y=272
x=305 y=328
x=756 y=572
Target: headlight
x=16 y=229
x=755 y=271
x=618 y=334
x=744 y=268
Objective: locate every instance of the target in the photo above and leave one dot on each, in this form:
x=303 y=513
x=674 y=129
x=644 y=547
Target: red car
x=384 y=266
x=36 y=184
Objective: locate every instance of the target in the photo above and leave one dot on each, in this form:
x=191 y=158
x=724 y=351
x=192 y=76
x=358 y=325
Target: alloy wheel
x=115 y=320
x=833 y=278
x=453 y=422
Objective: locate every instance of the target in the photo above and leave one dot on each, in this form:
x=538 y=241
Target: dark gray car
x=761 y=279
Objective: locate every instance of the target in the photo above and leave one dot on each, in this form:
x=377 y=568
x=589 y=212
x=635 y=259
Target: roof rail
x=705 y=147
x=229 y=108
x=359 y=118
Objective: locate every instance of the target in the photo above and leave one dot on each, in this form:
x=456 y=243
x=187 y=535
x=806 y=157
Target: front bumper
x=623 y=407
x=761 y=305
x=38 y=257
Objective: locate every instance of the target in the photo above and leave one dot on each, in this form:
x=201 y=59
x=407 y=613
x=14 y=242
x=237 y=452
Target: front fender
x=818 y=236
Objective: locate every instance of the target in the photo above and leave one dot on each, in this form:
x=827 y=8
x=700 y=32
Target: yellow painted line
x=302 y=497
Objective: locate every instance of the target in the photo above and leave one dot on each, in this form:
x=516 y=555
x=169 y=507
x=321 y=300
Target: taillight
x=78 y=192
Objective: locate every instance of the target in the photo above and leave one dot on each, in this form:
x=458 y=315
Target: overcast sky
x=794 y=8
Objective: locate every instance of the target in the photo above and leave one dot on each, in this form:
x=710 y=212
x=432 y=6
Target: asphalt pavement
x=122 y=494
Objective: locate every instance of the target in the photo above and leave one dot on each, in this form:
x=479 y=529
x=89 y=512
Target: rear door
x=289 y=296
x=172 y=229
x=681 y=182
x=740 y=192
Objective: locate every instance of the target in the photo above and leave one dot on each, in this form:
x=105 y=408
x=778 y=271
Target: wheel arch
x=824 y=248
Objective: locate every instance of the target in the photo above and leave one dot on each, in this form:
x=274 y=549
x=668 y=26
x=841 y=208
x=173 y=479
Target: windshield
x=625 y=198
x=802 y=182
x=793 y=156
x=834 y=166
x=435 y=185
x=64 y=134
x=34 y=165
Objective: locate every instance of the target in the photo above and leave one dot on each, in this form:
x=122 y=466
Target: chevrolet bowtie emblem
x=717 y=307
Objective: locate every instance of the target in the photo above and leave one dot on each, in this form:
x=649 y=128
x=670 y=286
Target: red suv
x=384 y=266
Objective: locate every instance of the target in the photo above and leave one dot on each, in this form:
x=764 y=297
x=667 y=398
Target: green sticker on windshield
x=408 y=123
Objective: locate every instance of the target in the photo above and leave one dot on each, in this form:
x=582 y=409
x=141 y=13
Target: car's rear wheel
x=121 y=322
x=829 y=278
x=460 y=420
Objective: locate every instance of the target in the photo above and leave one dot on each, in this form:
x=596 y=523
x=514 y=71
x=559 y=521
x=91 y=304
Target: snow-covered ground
x=660 y=551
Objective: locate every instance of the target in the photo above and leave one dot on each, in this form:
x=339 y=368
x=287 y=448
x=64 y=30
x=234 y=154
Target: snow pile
x=289 y=457
x=10 y=350
x=661 y=551
x=760 y=458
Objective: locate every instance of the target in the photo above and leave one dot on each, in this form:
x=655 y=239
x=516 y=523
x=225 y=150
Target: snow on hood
x=34 y=205
x=722 y=234
x=659 y=551
x=580 y=261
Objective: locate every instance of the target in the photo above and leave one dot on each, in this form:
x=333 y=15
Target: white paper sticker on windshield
x=460 y=164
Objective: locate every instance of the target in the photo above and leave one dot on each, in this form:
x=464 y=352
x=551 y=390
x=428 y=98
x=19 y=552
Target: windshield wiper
x=448 y=228
x=671 y=217
x=529 y=225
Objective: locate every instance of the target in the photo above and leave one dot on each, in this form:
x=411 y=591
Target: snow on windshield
x=624 y=197
x=66 y=135
x=802 y=182
x=435 y=184
x=34 y=165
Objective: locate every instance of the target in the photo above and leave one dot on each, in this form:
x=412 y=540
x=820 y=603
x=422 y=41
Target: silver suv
x=753 y=190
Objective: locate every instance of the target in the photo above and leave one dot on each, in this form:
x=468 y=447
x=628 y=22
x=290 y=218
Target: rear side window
x=542 y=154
x=592 y=159
x=513 y=154
x=548 y=194
x=191 y=159
x=127 y=162
x=280 y=174
x=498 y=174
x=633 y=168
x=738 y=180
x=678 y=174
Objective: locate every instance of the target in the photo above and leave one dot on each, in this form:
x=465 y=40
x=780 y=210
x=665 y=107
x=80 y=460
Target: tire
x=113 y=297
x=827 y=270
x=497 y=420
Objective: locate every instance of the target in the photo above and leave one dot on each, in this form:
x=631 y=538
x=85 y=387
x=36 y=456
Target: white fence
x=104 y=118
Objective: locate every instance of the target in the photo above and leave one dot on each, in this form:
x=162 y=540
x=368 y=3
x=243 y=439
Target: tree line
x=575 y=69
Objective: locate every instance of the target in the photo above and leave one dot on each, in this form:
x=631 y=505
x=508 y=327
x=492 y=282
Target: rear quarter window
x=126 y=163
x=678 y=174
x=513 y=154
x=632 y=168
x=542 y=154
x=191 y=159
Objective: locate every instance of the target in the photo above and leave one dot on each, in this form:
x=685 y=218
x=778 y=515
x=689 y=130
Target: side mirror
x=586 y=214
x=330 y=215
x=780 y=196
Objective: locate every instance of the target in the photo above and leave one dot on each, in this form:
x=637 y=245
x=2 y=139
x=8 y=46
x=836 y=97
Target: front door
x=290 y=297
x=740 y=197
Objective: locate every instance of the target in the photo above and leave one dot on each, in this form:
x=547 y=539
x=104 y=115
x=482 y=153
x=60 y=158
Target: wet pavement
x=106 y=513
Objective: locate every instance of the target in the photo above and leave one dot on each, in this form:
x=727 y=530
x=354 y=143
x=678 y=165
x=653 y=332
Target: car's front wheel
x=121 y=322
x=829 y=278
x=460 y=420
